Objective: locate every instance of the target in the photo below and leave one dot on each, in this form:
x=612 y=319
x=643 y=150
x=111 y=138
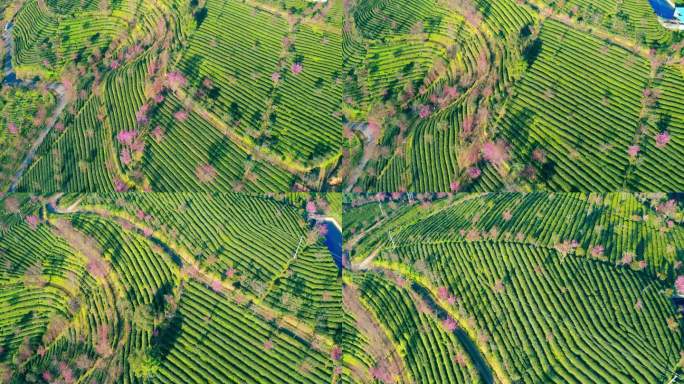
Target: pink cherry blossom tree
x=102 y=346
x=449 y=324
x=126 y=137
x=495 y=152
x=157 y=133
x=498 y=286
x=141 y=116
x=454 y=186
x=181 y=115
x=205 y=173
x=638 y=305
x=310 y=207
x=336 y=353
x=216 y=286
x=96 y=268
x=119 y=185
x=443 y=293
x=473 y=172
x=175 y=80
x=322 y=230
x=679 y=284
x=467 y=126
x=125 y=156
x=32 y=221
x=66 y=372
x=668 y=208
x=382 y=374
x=597 y=250
x=423 y=111
x=627 y=258
x=539 y=155
x=633 y=150
x=460 y=359
x=662 y=139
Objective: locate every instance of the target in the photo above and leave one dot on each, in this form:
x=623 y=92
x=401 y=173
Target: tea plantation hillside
x=172 y=95
x=23 y=114
x=167 y=288
x=568 y=288
x=480 y=95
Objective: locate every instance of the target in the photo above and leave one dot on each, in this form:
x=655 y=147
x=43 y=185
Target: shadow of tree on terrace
x=158 y=303
x=167 y=334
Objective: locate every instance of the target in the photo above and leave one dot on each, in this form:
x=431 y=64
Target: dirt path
x=369 y=150
x=82 y=243
x=366 y=263
x=380 y=346
x=59 y=90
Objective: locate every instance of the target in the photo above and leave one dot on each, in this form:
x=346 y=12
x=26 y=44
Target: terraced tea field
x=23 y=114
x=172 y=95
x=168 y=288
x=341 y=191
x=514 y=287
x=511 y=95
